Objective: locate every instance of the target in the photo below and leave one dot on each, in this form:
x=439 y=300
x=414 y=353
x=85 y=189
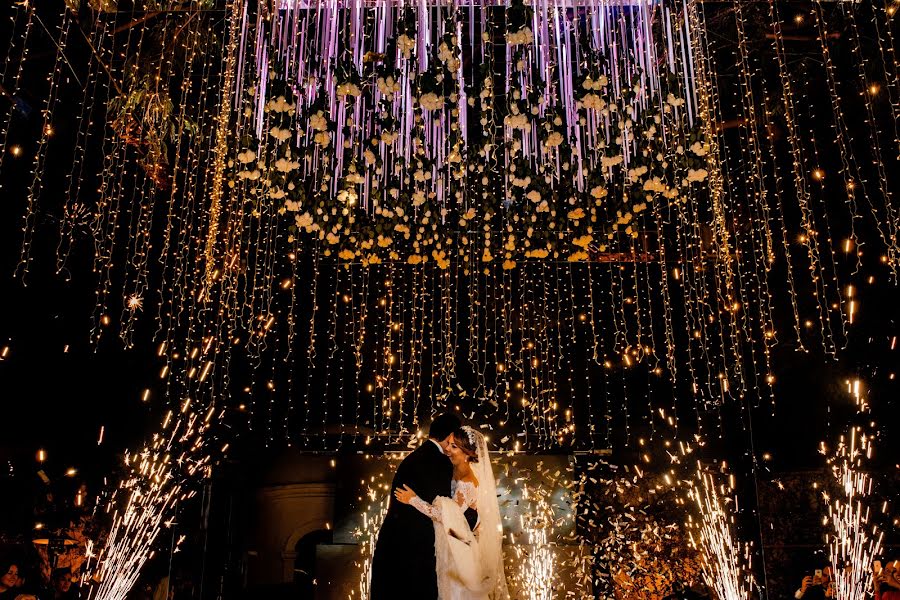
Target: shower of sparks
x=135 y=303
x=854 y=542
x=536 y=577
x=368 y=535
x=377 y=495
x=726 y=562
x=144 y=503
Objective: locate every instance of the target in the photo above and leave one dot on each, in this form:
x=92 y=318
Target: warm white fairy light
x=519 y=331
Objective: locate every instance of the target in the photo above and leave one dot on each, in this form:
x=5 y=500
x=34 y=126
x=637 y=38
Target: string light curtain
x=337 y=218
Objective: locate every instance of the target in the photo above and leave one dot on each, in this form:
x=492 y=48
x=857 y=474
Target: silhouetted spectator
x=817 y=586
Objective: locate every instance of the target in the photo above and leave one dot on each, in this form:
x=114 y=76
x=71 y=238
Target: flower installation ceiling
x=408 y=132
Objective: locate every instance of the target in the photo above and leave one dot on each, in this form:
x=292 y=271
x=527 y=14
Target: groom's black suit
x=403 y=565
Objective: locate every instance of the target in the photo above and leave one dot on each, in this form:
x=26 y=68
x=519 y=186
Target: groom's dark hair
x=443 y=425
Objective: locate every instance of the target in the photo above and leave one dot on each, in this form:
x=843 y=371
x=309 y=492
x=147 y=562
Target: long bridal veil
x=490 y=534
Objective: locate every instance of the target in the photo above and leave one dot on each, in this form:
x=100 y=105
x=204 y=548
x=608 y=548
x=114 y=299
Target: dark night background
x=57 y=390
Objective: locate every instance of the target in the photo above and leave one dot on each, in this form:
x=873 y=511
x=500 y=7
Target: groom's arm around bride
x=403 y=564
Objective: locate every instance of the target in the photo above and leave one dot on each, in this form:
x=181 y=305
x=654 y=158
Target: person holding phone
x=817 y=586
x=887 y=583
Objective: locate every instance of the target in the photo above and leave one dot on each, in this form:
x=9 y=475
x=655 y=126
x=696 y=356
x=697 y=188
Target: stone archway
x=305 y=561
x=286 y=513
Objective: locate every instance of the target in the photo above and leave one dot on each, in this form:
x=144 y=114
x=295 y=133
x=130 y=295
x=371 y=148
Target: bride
x=468 y=534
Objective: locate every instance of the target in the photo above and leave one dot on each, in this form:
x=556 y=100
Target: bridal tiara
x=470 y=433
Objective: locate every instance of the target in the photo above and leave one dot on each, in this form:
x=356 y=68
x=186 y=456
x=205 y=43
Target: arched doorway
x=305 y=562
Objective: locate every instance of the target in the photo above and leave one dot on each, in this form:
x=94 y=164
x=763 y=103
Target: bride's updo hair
x=464 y=443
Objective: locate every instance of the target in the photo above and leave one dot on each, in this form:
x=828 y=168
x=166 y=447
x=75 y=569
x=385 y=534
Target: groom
x=403 y=565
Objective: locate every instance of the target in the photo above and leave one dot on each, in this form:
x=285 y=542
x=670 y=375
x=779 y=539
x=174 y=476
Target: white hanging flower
x=654 y=185
x=554 y=139
x=354 y=177
x=596 y=85
x=285 y=165
x=697 y=175
x=304 y=221
x=519 y=121
x=671 y=100
x=522 y=36
x=611 y=161
x=700 y=149
x=318 y=121
x=247 y=156
x=387 y=86
x=637 y=172
x=431 y=101
x=280 y=105
x=593 y=101
x=447 y=56
x=406 y=45
x=279 y=134
x=347 y=196
x=348 y=88
x=323 y=138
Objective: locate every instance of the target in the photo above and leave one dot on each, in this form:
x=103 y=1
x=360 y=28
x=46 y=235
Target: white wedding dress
x=469 y=564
